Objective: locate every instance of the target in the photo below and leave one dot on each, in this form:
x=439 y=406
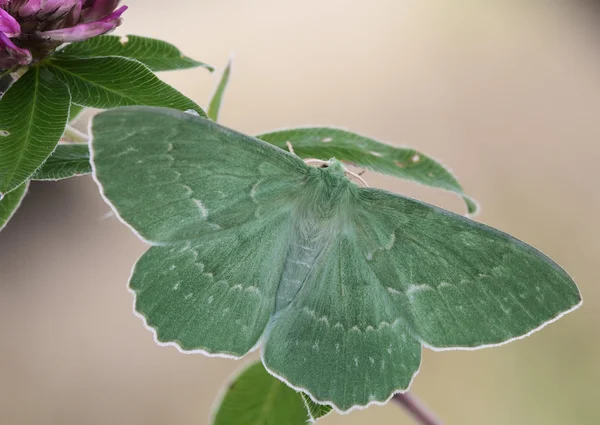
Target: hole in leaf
x=124 y=40
x=4 y=133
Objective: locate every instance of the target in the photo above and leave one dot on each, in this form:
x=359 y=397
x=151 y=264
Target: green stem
x=416 y=409
x=74 y=135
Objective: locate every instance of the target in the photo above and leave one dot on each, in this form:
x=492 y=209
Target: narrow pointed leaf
x=217 y=99
x=155 y=54
x=68 y=160
x=11 y=202
x=108 y=82
x=33 y=115
x=406 y=163
x=256 y=398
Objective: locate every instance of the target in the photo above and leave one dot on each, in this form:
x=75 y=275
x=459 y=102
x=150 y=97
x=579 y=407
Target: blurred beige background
x=505 y=94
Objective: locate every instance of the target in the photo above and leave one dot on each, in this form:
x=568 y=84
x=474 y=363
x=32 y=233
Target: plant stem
x=74 y=135
x=416 y=409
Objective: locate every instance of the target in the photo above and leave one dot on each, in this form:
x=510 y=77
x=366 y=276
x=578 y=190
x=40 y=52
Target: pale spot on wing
x=327 y=140
x=324 y=319
x=393 y=291
x=126 y=151
x=399 y=164
x=372 y=360
x=443 y=285
x=252 y=289
x=170 y=147
x=390 y=244
x=188 y=190
x=415 y=289
x=176 y=286
x=377 y=154
x=188 y=296
x=172 y=267
x=356 y=361
x=201 y=207
x=253 y=190
x=338 y=325
x=210 y=299
x=238 y=287
x=315 y=346
x=416 y=158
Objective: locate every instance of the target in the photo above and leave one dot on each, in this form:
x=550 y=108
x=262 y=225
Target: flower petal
x=99 y=9
x=74 y=15
x=12 y=55
x=87 y=30
x=56 y=8
x=9 y=25
x=30 y=8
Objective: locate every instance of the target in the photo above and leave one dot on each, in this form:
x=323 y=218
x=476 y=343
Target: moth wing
x=215 y=204
x=459 y=283
x=342 y=339
x=173 y=176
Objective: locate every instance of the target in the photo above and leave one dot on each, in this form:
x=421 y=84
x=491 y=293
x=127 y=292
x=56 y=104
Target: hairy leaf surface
x=33 y=115
x=339 y=285
x=256 y=398
x=67 y=160
x=109 y=82
x=155 y=54
x=11 y=202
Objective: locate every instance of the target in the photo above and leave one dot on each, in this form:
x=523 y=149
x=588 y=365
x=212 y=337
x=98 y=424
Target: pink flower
x=32 y=29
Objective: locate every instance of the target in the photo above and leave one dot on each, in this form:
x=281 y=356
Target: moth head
x=336 y=167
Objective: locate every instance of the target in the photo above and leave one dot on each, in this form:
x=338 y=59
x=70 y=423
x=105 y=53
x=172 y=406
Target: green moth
x=339 y=285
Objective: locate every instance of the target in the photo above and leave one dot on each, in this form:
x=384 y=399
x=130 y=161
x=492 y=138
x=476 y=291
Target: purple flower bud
x=30 y=8
x=30 y=30
x=99 y=9
x=9 y=25
x=11 y=55
x=84 y=31
x=56 y=8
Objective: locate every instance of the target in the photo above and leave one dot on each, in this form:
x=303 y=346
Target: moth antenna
x=362 y=172
x=290 y=148
x=357 y=177
x=315 y=161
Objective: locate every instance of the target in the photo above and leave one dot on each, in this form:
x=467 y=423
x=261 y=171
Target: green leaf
x=155 y=54
x=315 y=411
x=215 y=102
x=108 y=82
x=68 y=160
x=256 y=398
x=340 y=286
x=75 y=111
x=11 y=202
x=406 y=163
x=33 y=115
